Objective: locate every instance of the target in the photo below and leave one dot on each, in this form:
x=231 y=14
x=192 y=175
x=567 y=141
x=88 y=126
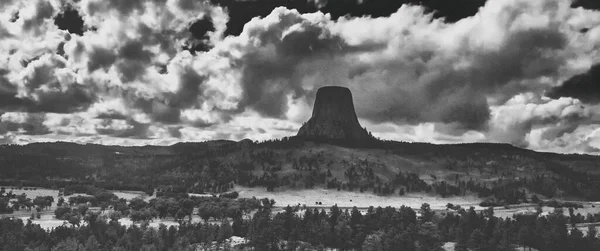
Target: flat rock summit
x=334 y=118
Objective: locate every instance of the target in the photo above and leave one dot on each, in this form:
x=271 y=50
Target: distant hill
x=503 y=172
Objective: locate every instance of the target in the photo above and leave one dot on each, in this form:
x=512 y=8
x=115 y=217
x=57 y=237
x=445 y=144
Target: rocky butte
x=334 y=119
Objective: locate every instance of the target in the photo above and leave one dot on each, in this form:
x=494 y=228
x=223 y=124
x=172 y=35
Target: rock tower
x=333 y=118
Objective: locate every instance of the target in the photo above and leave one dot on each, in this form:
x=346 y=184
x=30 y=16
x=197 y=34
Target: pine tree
x=238 y=227
x=575 y=239
x=69 y=244
x=225 y=231
x=343 y=233
x=523 y=236
x=461 y=238
x=373 y=242
x=505 y=243
x=426 y=212
x=429 y=238
x=356 y=217
x=592 y=233
x=477 y=241
x=92 y=244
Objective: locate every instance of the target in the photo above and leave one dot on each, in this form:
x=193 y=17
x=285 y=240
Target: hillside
x=500 y=171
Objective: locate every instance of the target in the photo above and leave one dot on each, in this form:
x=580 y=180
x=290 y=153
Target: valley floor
x=327 y=198
x=346 y=199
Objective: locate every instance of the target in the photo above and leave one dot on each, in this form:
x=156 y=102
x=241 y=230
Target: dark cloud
x=32 y=125
x=25 y=62
x=60 y=50
x=156 y=108
x=419 y=86
x=4 y=33
x=70 y=20
x=43 y=73
x=447 y=95
x=585 y=87
x=163 y=39
x=130 y=70
x=100 y=58
x=6 y=3
x=167 y=107
x=72 y=100
x=44 y=10
x=14 y=17
x=200 y=123
x=589 y=149
x=527 y=54
x=76 y=98
x=65 y=122
x=133 y=129
x=111 y=114
x=266 y=80
x=134 y=50
x=175 y=131
x=459 y=96
x=134 y=60
x=190 y=90
x=222 y=136
x=287 y=129
x=562 y=128
x=8 y=92
x=47 y=94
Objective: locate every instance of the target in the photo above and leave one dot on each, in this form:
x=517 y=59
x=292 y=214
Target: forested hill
x=505 y=173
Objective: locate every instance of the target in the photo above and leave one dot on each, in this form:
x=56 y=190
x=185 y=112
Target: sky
x=158 y=72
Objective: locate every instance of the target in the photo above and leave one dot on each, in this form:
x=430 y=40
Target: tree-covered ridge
x=505 y=173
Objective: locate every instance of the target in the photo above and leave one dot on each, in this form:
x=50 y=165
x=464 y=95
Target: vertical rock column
x=333 y=117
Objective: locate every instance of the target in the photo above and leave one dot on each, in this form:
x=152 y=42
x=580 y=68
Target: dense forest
x=312 y=229
x=91 y=222
x=500 y=174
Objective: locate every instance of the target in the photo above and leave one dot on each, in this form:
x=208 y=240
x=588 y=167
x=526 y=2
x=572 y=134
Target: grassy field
x=588 y=207
x=329 y=197
x=345 y=199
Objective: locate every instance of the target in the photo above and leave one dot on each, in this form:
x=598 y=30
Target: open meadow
x=347 y=199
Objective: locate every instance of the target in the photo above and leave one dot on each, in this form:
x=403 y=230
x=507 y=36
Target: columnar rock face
x=334 y=118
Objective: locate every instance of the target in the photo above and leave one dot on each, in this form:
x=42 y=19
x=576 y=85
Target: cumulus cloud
x=168 y=70
x=437 y=72
x=516 y=119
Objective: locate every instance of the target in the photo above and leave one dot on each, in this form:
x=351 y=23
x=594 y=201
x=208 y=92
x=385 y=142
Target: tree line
x=313 y=229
